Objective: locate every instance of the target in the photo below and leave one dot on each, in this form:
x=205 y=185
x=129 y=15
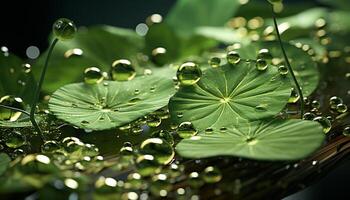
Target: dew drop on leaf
x=261 y=65
x=159 y=56
x=214 y=62
x=93 y=75
x=122 y=70
x=12 y=101
x=283 y=70
x=264 y=54
x=186 y=130
x=27 y=68
x=153 y=120
x=233 y=57
x=294 y=96
x=189 y=73
x=326 y=124
x=261 y=108
x=15 y=139
x=64 y=29
x=73 y=53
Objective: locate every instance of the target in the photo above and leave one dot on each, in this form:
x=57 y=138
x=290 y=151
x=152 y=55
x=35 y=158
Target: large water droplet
x=342 y=108
x=153 y=120
x=214 y=62
x=346 y=131
x=186 y=130
x=64 y=29
x=233 y=57
x=189 y=73
x=15 y=139
x=161 y=150
x=146 y=165
x=165 y=135
x=159 y=56
x=261 y=65
x=283 y=70
x=93 y=75
x=122 y=70
x=212 y=174
x=7 y=114
x=326 y=124
x=73 y=52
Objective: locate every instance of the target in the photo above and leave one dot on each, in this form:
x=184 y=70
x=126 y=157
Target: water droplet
x=294 y=96
x=50 y=147
x=264 y=54
x=93 y=75
x=160 y=185
x=64 y=29
x=164 y=135
x=212 y=175
x=233 y=57
x=261 y=65
x=159 y=56
x=134 y=101
x=195 y=180
x=346 y=131
x=315 y=104
x=7 y=114
x=251 y=141
x=186 y=130
x=342 y=108
x=73 y=52
x=283 y=70
x=214 y=62
x=147 y=72
x=153 y=120
x=189 y=73
x=15 y=139
x=146 y=165
x=179 y=114
x=209 y=130
x=334 y=101
x=27 y=68
x=261 y=107
x=309 y=116
x=161 y=150
x=84 y=122
x=152 y=89
x=122 y=70
x=136 y=92
x=326 y=124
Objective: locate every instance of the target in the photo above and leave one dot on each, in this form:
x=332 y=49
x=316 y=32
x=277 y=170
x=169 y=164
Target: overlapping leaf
x=261 y=140
x=110 y=104
x=305 y=69
x=224 y=95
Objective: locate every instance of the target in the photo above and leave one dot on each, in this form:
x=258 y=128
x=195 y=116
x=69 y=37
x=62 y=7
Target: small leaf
x=231 y=92
x=186 y=15
x=23 y=121
x=4 y=162
x=110 y=104
x=14 y=81
x=305 y=69
x=97 y=46
x=273 y=140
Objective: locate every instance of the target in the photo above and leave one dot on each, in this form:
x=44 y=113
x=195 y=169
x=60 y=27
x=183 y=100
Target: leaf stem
x=38 y=88
x=15 y=109
x=301 y=100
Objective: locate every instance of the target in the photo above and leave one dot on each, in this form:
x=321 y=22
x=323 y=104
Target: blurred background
x=28 y=23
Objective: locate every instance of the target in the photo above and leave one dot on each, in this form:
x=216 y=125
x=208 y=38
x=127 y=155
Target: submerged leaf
x=271 y=140
x=229 y=93
x=110 y=104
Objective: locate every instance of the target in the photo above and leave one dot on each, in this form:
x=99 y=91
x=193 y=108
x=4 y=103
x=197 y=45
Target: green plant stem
x=38 y=88
x=15 y=109
x=301 y=100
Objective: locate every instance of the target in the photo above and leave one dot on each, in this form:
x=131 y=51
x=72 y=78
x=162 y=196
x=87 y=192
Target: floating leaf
x=273 y=140
x=23 y=121
x=4 y=162
x=231 y=92
x=305 y=69
x=222 y=34
x=97 y=46
x=110 y=104
x=14 y=81
x=186 y=16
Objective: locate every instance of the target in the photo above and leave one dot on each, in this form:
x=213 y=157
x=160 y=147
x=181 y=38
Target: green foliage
x=262 y=140
x=229 y=93
x=110 y=104
x=4 y=162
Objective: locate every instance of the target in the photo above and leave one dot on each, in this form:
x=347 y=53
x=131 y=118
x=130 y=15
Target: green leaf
x=272 y=140
x=13 y=80
x=304 y=67
x=110 y=104
x=101 y=45
x=341 y=4
x=4 y=162
x=231 y=92
x=186 y=15
x=23 y=121
x=222 y=34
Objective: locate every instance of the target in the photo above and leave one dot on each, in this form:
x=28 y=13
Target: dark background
x=27 y=23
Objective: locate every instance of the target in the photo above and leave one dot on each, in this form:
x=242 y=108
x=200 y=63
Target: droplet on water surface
x=186 y=130
x=189 y=73
x=15 y=139
x=12 y=101
x=161 y=150
x=326 y=124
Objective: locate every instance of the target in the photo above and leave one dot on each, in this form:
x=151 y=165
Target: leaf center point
x=251 y=141
x=225 y=100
